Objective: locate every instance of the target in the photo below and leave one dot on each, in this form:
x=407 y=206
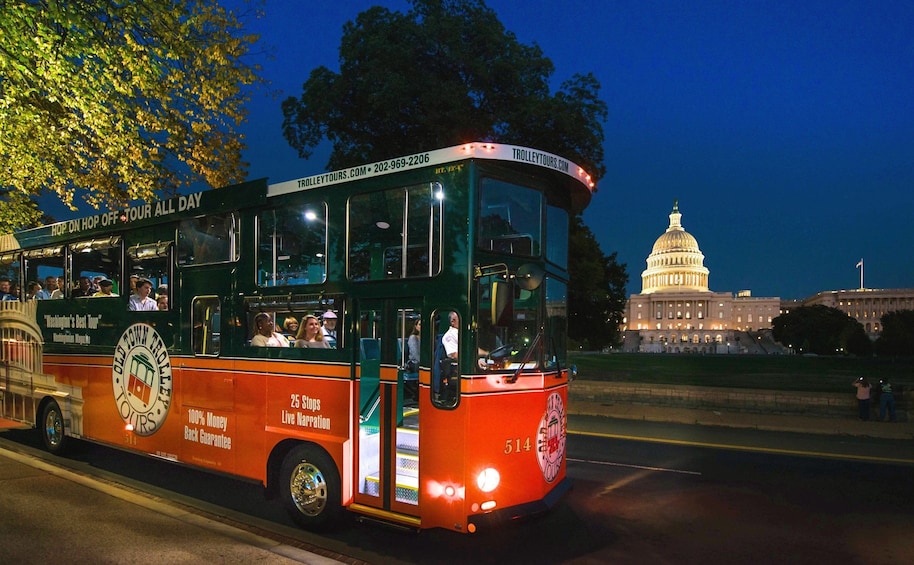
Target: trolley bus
x=437 y=399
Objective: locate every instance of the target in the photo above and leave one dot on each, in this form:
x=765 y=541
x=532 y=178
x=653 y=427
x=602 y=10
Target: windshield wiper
x=523 y=362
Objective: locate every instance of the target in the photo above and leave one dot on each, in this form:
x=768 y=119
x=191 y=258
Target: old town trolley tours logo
x=141 y=376
x=550 y=438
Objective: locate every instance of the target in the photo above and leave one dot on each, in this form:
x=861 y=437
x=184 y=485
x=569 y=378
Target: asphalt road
x=644 y=493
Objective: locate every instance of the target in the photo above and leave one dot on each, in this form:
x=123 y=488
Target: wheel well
x=39 y=409
x=274 y=464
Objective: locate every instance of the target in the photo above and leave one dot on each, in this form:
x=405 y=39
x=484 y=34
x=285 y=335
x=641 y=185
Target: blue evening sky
x=785 y=129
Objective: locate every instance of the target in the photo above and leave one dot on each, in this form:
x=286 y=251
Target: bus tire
x=52 y=429
x=310 y=487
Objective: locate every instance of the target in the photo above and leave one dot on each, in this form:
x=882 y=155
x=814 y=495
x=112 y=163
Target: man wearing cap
x=105 y=288
x=141 y=301
x=329 y=328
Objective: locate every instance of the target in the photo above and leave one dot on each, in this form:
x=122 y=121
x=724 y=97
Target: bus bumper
x=477 y=522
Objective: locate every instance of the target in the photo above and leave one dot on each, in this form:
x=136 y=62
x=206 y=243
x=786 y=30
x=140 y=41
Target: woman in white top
x=265 y=336
x=310 y=334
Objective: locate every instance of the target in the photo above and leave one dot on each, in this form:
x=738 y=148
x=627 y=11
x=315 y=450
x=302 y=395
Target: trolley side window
x=95 y=261
x=151 y=261
x=206 y=313
x=292 y=245
x=44 y=264
x=557 y=236
x=510 y=219
x=9 y=267
x=396 y=233
x=328 y=309
x=208 y=239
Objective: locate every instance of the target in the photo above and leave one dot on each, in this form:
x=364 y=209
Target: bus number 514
x=517 y=445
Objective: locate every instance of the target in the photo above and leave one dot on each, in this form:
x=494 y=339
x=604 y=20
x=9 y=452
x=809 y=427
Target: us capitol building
x=676 y=312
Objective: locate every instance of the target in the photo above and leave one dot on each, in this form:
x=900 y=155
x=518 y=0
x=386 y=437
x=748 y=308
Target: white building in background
x=866 y=305
x=676 y=312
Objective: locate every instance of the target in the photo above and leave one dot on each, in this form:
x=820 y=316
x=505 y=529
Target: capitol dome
x=675 y=264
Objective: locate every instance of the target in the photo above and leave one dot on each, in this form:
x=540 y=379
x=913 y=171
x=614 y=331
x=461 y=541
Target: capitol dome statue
x=675 y=264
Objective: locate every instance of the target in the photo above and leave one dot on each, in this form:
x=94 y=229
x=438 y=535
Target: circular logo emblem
x=141 y=377
x=550 y=438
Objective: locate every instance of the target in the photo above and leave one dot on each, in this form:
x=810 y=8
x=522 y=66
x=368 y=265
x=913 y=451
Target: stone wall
x=829 y=405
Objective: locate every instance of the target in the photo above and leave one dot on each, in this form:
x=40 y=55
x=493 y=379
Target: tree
x=897 y=337
x=446 y=73
x=821 y=330
x=596 y=295
x=17 y=211
x=116 y=101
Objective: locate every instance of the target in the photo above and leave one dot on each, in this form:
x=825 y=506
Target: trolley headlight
x=487 y=480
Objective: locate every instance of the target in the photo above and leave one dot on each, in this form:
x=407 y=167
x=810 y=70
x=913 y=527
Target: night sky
x=785 y=129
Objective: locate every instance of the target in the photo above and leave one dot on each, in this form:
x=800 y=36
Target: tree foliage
x=116 y=101
x=897 y=337
x=821 y=330
x=17 y=210
x=596 y=296
x=447 y=72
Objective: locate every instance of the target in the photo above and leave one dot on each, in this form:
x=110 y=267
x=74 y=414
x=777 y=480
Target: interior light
x=382 y=224
x=310 y=215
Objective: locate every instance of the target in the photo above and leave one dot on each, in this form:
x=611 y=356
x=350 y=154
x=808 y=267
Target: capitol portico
x=676 y=312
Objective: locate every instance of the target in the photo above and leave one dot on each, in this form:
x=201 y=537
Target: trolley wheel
x=311 y=488
x=51 y=427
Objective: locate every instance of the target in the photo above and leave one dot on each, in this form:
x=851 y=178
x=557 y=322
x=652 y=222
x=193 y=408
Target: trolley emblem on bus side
x=141 y=377
x=550 y=439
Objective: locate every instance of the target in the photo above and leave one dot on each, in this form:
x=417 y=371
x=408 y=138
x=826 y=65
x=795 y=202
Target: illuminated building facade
x=676 y=312
x=866 y=305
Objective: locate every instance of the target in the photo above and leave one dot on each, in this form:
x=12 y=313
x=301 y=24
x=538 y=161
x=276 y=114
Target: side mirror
x=529 y=276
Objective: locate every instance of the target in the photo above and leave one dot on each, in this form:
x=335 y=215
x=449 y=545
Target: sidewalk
x=52 y=513
x=746 y=420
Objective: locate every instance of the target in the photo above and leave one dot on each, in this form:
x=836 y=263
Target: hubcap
x=53 y=428
x=308 y=489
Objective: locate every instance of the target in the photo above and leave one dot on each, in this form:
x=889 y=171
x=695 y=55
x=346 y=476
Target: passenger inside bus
x=413 y=347
x=265 y=335
x=310 y=334
x=328 y=329
x=50 y=290
x=141 y=301
x=444 y=381
x=105 y=288
x=290 y=327
x=83 y=288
